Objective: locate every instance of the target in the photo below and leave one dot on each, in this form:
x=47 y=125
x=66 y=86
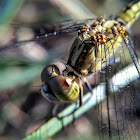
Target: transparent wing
x=117 y=113
x=40 y=33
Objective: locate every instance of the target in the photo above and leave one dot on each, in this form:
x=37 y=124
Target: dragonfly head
x=57 y=87
x=48 y=94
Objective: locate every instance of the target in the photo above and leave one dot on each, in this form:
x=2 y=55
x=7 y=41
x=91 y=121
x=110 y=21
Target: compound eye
x=56 y=69
x=48 y=96
x=48 y=72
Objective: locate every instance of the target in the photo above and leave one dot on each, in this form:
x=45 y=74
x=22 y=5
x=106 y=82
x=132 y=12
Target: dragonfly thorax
x=86 y=55
x=102 y=30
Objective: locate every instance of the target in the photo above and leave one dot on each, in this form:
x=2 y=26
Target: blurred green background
x=22 y=108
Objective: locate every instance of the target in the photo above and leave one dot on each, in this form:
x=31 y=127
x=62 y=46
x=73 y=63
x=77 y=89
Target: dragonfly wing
x=117 y=113
x=39 y=33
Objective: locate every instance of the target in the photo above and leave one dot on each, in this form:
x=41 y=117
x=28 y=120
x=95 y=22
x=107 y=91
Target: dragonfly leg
x=80 y=94
x=128 y=41
x=87 y=84
x=89 y=88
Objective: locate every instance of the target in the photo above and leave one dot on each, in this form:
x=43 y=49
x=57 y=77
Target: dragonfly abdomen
x=129 y=14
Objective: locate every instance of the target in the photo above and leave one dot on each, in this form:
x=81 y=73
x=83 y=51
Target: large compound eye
x=48 y=72
x=47 y=94
x=64 y=88
x=60 y=89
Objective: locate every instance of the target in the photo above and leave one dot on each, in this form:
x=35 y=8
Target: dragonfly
x=96 y=45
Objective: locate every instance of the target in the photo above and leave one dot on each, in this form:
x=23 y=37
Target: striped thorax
x=88 y=50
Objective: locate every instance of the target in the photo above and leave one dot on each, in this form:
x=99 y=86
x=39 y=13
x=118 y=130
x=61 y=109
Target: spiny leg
x=80 y=94
x=87 y=84
x=128 y=41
